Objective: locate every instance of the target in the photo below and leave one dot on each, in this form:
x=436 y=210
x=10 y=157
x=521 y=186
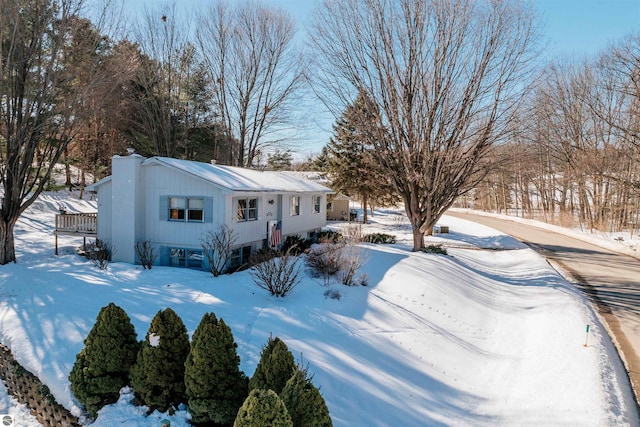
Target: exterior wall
x=340 y=210
x=134 y=206
x=104 y=212
x=307 y=220
x=127 y=206
x=164 y=182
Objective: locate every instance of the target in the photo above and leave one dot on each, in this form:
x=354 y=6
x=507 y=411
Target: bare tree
x=446 y=76
x=41 y=103
x=249 y=54
x=171 y=91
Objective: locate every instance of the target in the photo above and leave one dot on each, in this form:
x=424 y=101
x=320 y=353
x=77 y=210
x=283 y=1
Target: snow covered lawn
x=480 y=337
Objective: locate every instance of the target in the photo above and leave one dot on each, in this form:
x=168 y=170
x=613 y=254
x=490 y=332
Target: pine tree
x=158 y=375
x=263 y=408
x=215 y=386
x=102 y=367
x=275 y=367
x=351 y=159
x=305 y=404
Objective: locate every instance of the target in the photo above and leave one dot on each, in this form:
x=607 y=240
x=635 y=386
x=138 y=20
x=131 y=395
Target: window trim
x=294 y=208
x=184 y=258
x=186 y=210
x=247 y=210
x=317 y=204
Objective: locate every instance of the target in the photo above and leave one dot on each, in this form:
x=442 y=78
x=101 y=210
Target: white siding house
x=173 y=204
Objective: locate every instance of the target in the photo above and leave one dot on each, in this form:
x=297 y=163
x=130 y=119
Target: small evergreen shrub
x=102 y=367
x=305 y=404
x=295 y=245
x=379 y=238
x=215 y=386
x=434 y=249
x=329 y=236
x=158 y=374
x=263 y=408
x=275 y=367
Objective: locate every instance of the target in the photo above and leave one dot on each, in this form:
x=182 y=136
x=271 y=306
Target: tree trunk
x=365 y=207
x=418 y=237
x=7 y=244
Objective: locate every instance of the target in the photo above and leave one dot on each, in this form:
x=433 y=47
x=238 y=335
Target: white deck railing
x=82 y=223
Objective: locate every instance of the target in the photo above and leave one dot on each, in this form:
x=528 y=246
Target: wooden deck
x=82 y=225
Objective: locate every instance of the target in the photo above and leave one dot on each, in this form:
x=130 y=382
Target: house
x=338 y=207
x=173 y=204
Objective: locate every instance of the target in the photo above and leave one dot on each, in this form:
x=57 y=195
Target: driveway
x=611 y=280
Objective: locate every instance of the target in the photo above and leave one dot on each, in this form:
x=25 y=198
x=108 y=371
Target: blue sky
x=570 y=28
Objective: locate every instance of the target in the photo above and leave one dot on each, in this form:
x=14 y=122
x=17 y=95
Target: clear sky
x=570 y=28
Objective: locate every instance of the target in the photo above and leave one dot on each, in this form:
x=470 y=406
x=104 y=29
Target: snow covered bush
x=102 y=367
x=275 y=367
x=303 y=400
x=263 y=408
x=278 y=275
x=215 y=386
x=158 y=374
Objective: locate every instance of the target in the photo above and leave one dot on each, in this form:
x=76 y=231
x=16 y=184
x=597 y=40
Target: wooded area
x=436 y=102
x=574 y=158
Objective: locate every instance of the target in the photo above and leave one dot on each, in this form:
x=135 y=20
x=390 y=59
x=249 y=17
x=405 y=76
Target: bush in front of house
x=146 y=253
x=303 y=400
x=217 y=248
x=263 y=408
x=434 y=249
x=379 y=238
x=324 y=260
x=215 y=386
x=102 y=367
x=278 y=275
x=158 y=374
x=295 y=245
x=275 y=367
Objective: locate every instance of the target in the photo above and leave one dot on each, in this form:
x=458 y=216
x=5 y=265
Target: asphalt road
x=611 y=280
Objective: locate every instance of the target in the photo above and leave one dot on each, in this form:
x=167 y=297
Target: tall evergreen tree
x=305 y=404
x=215 y=386
x=158 y=375
x=354 y=169
x=102 y=367
x=275 y=367
x=263 y=408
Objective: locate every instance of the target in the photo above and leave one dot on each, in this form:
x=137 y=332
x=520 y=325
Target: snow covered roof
x=240 y=179
x=94 y=187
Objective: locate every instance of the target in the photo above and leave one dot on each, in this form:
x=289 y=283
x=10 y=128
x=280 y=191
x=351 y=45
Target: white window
x=190 y=209
x=316 y=204
x=295 y=205
x=176 y=208
x=189 y=258
x=247 y=209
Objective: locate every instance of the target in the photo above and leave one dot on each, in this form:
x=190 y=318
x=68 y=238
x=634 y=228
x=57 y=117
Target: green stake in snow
x=586 y=339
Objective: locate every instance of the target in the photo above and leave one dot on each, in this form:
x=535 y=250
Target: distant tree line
x=574 y=156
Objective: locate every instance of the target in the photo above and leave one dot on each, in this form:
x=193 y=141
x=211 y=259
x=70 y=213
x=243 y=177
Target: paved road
x=611 y=280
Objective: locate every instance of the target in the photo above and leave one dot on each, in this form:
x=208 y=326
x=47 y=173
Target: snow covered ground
x=481 y=337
